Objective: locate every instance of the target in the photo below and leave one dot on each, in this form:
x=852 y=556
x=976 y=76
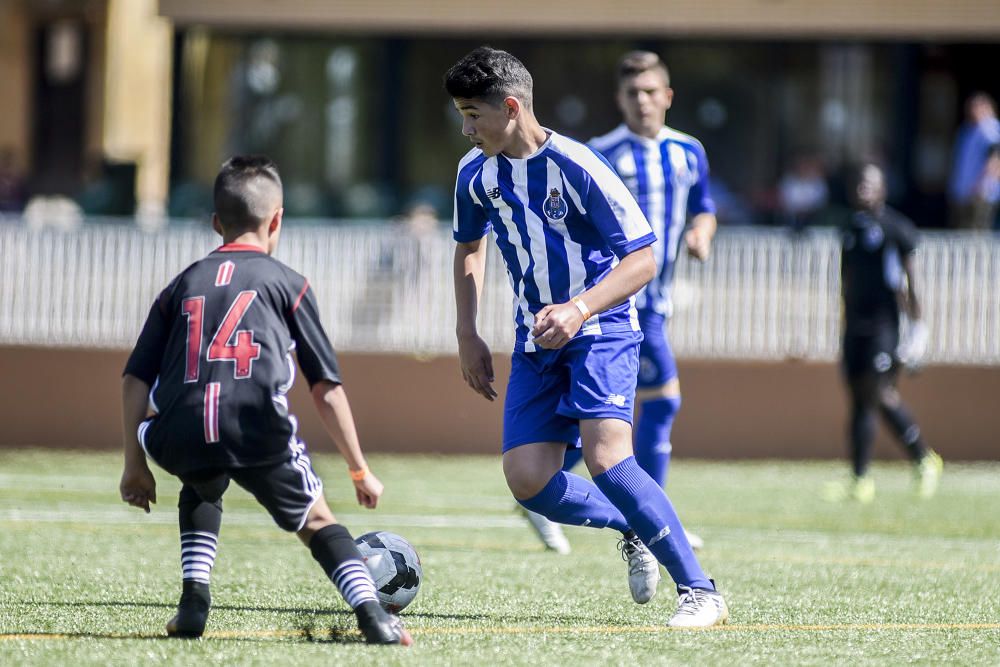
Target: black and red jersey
x=217 y=351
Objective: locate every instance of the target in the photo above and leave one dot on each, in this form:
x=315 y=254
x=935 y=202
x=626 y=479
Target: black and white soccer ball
x=395 y=567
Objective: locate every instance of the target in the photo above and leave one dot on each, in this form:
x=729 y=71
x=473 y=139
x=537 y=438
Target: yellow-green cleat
x=929 y=470
x=863 y=490
x=860 y=489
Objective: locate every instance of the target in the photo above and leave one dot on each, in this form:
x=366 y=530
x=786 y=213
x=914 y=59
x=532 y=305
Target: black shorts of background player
x=214 y=364
x=877 y=278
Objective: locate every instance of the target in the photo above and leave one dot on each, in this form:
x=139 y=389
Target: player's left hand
x=699 y=243
x=556 y=324
x=912 y=347
x=368 y=490
x=138 y=486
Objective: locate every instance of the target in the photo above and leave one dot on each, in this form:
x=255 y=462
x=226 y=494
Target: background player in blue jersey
x=577 y=248
x=214 y=365
x=667 y=173
x=877 y=282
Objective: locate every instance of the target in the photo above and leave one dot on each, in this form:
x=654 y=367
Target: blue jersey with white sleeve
x=562 y=219
x=668 y=176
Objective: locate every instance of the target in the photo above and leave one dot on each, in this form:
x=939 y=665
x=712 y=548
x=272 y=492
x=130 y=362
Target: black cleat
x=192 y=612
x=381 y=627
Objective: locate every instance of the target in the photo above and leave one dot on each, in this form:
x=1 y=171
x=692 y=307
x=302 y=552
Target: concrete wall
x=799 y=18
x=70 y=398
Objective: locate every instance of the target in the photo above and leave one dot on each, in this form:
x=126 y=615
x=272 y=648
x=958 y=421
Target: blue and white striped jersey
x=668 y=176
x=562 y=220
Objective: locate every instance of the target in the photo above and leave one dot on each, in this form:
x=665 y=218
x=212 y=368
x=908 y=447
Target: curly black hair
x=491 y=75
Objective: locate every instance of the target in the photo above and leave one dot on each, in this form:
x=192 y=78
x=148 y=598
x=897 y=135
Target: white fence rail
x=762 y=295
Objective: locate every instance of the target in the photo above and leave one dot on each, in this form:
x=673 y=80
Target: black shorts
x=287 y=490
x=872 y=353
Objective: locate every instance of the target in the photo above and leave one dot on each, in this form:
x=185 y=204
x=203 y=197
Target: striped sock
x=200 y=522
x=334 y=549
x=355 y=583
x=198 y=550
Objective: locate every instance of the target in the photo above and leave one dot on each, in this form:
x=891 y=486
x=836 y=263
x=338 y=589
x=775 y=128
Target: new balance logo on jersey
x=493 y=193
x=615 y=399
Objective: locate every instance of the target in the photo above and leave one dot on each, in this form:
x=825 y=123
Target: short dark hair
x=634 y=63
x=489 y=74
x=247 y=190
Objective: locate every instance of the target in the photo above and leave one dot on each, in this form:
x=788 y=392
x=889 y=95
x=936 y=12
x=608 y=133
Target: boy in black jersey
x=877 y=280
x=214 y=364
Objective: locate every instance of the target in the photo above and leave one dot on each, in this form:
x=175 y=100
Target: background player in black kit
x=877 y=276
x=214 y=364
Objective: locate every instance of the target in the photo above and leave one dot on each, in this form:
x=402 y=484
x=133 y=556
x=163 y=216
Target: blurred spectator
x=730 y=208
x=54 y=212
x=420 y=219
x=989 y=185
x=803 y=192
x=970 y=190
x=11 y=184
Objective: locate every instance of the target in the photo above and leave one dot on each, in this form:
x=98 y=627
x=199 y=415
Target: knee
x=600 y=459
x=661 y=408
x=204 y=491
x=670 y=391
x=525 y=482
x=319 y=517
x=888 y=397
x=606 y=443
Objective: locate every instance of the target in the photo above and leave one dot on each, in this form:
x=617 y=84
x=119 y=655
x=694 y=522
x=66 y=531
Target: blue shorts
x=550 y=391
x=657 y=365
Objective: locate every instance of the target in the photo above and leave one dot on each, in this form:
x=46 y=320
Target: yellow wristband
x=358 y=475
x=578 y=302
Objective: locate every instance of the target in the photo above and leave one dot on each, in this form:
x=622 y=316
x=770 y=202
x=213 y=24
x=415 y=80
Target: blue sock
x=652 y=436
x=648 y=511
x=573 y=500
x=572 y=457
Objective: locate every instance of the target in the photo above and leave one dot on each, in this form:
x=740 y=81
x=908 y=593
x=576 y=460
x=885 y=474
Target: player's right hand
x=368 y=490
x=138 y=487
x=477 y=365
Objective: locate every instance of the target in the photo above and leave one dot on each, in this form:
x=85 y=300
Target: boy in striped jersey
x=667 y=173
x=577 y=248
x=214 y=364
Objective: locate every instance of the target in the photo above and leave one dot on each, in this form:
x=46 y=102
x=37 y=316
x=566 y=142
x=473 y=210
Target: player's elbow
x=645 y=265
x=133 y=385
x=324 y=391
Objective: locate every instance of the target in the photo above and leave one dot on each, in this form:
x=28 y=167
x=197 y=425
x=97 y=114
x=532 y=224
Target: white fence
x=762 y=295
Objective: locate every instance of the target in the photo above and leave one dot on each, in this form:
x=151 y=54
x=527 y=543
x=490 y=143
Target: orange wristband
x=578 y=302
x=358 y=475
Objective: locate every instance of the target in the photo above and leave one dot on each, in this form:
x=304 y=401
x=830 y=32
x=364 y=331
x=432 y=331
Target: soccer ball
x=395 y=567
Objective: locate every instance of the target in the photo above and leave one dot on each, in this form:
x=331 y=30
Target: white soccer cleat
x=643 y=569
x=549 y=532
x=698 y=608
x=695 y=541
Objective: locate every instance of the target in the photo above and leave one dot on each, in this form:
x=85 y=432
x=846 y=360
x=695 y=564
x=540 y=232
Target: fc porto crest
x=555 y=206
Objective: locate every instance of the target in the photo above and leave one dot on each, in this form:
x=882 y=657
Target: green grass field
x=86 y=580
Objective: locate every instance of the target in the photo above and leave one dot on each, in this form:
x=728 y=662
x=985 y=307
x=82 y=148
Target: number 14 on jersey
x=242 y=351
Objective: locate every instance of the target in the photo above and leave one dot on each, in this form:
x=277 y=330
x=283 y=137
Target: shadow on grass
x=280 y=610
x=340 y=627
